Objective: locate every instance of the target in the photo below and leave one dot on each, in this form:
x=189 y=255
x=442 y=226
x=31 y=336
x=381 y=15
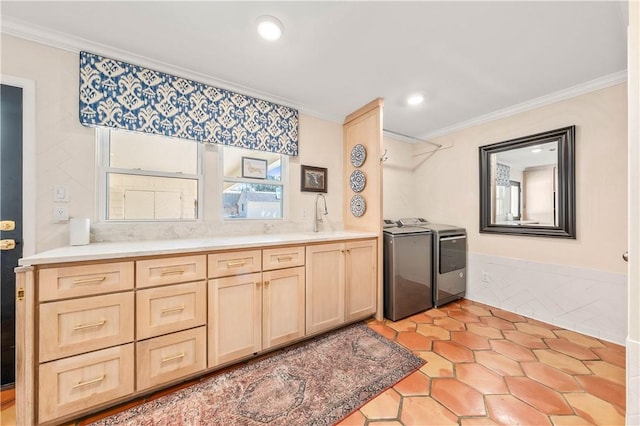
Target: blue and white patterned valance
x=124 y=96
x=503 y=174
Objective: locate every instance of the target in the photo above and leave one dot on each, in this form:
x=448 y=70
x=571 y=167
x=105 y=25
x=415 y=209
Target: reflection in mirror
x=527 y=185
x=525 y=181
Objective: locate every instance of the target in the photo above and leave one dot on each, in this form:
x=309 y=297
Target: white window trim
x=103 y=168
x=283 y=182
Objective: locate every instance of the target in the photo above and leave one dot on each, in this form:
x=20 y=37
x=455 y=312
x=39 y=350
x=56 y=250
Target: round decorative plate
x=358 y=181
x=358 y=205
x=358 y=155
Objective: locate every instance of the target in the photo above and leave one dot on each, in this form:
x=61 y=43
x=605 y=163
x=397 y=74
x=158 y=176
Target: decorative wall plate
x=358 y=205
x=358 y=181
x=358 y=155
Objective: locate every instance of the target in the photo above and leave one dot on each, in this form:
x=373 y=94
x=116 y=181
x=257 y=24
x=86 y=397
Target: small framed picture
x=313 y=179
x=254 y=168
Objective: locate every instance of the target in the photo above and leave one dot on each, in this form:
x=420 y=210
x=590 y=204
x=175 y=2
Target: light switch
x=60 y=213
x=60 y=193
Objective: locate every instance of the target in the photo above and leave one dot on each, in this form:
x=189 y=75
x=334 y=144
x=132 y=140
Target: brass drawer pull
x=285 y=258
x=174 y=309
x=236 y=263
x=95 y=280
x=171 y=358
x=92 y=325
x=89 y=382
x=173 y=272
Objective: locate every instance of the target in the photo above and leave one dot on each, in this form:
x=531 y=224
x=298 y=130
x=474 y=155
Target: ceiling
x=469 y=59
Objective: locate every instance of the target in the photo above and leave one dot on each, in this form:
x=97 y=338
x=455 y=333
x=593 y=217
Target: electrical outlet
x=60 y=213
x=485 y=277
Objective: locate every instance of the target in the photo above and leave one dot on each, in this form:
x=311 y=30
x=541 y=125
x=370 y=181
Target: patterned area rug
x=316 y=383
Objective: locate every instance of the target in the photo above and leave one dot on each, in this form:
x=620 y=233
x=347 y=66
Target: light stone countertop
x=128 y=249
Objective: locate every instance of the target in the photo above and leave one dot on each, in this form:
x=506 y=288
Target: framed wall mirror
x=527 y=185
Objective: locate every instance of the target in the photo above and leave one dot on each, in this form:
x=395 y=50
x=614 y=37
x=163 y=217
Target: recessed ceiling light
x=415 y=99
x=269 y=28
x=536 y=149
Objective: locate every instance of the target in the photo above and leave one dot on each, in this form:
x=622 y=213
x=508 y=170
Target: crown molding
x=571 y=92
x=59 y=40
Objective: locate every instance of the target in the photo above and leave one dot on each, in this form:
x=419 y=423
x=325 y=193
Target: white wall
x=65 y=155
x=398 y=186
x=448 y=182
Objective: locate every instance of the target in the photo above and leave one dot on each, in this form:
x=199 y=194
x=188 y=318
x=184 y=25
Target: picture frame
x=254 y=168
x=313 y=179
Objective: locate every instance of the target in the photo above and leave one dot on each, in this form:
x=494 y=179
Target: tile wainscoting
x=584 y=300
x=633 y=382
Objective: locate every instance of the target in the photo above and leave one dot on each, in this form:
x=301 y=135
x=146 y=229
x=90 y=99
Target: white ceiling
x=470 y=59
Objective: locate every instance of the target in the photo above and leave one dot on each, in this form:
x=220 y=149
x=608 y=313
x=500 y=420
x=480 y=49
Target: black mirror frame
x=566 y=185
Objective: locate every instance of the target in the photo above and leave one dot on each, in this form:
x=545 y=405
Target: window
x=148 y=177
x=256 y=197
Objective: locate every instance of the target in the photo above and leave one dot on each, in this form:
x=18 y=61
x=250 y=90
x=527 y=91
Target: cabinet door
x=361 y=279
x=325 y=287
x=282 y=306
x=235 y=317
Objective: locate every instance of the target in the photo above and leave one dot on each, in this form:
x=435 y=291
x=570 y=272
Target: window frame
x=103 y=150
x=283 y=183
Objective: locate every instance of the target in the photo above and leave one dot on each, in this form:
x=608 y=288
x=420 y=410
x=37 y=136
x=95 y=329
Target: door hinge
x=7 y=244
x=20 y=294
x=7 y=225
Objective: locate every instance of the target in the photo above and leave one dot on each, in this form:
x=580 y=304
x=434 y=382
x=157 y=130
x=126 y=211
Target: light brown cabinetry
x=170 y=302
x=282 y=306
x=94 y=333
x=325 y=287
x=85 y=349
x=72 y=384
x=361 y=278
x=255 y=311
x=170 y=357
x=162 y=310
x=234 y=317
x=341 y=284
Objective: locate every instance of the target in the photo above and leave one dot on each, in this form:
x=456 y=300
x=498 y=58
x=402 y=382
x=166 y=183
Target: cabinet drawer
x=85 y=280
x=280 y=258
x=166 y=358
x=170 y=270
x=163 y=310
x=80 y=382
x=71 y=327
x=234 y=263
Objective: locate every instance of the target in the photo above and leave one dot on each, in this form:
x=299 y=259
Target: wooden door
x=325 y=287
x=234 y=317
x=361 y=279
x=282 y=306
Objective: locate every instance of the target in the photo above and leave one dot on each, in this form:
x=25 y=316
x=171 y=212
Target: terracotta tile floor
x=486 y=366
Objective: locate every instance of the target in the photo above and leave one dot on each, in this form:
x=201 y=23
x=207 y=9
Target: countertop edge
x=132 y=249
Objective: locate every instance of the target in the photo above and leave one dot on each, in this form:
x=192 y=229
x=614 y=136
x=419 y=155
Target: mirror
x=527 y=185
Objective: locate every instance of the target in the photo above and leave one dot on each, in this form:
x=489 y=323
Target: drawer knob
x=174 y=309
x=285 y=258
x=236 y=264
x=92 y=325
x=172 y=358
x=173 y=272
x=94 y=280
x=89 y=382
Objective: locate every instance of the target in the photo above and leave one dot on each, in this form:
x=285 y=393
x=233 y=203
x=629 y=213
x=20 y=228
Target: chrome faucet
x=316 y=219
